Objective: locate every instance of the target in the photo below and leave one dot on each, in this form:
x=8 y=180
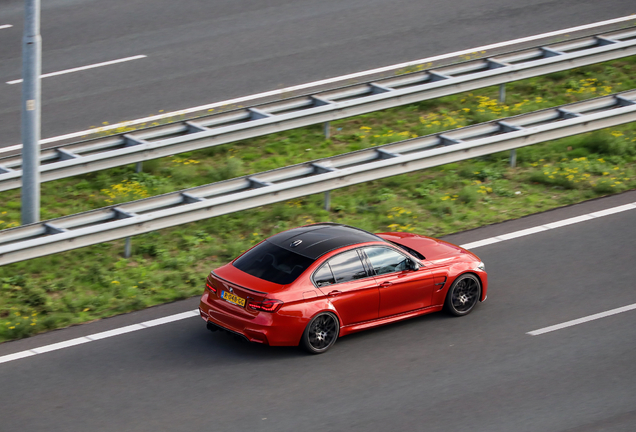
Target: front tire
x=463 y=295
x=321 y=333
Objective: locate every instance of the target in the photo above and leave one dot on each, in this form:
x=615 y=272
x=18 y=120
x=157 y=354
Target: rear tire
x=463 y=295
x=321 y=333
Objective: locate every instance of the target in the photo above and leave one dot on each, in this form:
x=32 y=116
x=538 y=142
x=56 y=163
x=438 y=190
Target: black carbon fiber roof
x=316 y=240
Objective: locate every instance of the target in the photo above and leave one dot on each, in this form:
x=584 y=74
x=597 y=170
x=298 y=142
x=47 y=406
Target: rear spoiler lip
x=240 y=286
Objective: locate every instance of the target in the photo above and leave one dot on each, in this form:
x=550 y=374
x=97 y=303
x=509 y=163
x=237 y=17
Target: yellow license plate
x=231 y=298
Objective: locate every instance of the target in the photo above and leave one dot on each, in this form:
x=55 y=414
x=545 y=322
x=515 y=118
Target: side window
x=347 y=267
x=324 y=276
x=384 y=260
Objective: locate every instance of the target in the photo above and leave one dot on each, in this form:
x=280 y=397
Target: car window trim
x=360 y=255
x=326 y=263
x=365 y=261
x=386 y=247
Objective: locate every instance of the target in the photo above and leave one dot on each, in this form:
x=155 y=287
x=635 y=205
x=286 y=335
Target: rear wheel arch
x=330 y=309
x=321 y=332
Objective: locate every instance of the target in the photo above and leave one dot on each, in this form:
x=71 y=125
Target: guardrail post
x=326 y=130
x=327 y=200
x=513 y=158
x=128 y=248
x=139 y=167
x=502 y=99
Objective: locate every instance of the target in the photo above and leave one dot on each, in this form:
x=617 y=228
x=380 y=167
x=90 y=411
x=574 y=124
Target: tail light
x=211 y=287
x=267 y=305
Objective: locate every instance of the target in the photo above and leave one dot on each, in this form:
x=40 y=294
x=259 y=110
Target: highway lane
x=436 y=373
x=201 y=52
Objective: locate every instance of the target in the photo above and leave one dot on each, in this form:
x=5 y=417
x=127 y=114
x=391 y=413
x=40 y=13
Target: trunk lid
x=252 y=284
x=242 y=285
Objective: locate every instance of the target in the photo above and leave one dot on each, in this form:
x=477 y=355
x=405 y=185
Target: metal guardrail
x=146 y=144
x=432 y=62
x=137 y=217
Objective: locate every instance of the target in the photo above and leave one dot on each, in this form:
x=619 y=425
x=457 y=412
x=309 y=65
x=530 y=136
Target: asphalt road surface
x=482 y=372
x=202 y=51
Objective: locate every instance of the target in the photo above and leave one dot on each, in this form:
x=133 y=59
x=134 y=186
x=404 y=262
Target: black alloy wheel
x=463 y=295
x=321 y=333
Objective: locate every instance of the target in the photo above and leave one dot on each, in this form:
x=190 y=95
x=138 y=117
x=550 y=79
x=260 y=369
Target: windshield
x=409 y=250
x=273 y=263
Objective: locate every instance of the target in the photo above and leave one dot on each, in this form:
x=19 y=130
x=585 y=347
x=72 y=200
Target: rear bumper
x=236 y=326
x=215 y=327
x=264 y=328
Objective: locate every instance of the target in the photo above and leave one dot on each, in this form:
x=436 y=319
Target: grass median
x=97 y=281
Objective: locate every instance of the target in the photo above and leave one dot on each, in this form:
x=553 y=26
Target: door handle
x=334 y=293
x=385 y=284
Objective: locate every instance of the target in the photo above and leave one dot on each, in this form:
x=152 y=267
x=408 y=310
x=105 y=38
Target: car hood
x=432 y=249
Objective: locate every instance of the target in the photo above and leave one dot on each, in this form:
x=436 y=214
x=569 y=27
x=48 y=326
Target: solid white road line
x=569 y=221
x=171 y=318
x=541 y=228
x=522 y=233
x=473 y=245
x=60 y=345
x=98 y=336
x=583 y=320
x=115 y=332
x=288 y=90
x=5 y=26
x=16 y=356
x=613 y=210
x=81 y=68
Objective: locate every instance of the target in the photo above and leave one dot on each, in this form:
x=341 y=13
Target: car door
x=402 y=289
x=350 y=287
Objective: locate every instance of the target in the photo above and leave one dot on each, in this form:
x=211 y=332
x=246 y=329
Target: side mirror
x=413 y=265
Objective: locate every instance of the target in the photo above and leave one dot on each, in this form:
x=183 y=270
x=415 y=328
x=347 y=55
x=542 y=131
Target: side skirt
x=353 y=328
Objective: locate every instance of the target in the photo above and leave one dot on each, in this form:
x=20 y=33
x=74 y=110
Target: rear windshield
x=273 y=263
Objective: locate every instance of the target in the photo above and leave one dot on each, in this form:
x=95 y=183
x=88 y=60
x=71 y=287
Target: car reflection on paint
x=310 y=285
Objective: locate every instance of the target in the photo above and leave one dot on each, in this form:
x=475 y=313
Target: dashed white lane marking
x=553 y=225
x=473 y=245
x=583 y=320
x=98 y=336
x=81 y=68
x=5 y=26
x=292 y=89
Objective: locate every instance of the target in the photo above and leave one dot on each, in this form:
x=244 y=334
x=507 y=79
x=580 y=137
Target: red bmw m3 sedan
x=311 y=285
